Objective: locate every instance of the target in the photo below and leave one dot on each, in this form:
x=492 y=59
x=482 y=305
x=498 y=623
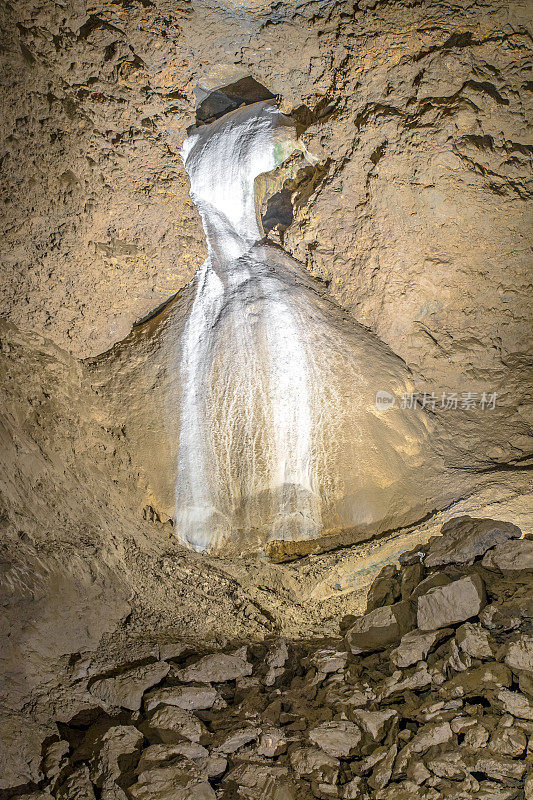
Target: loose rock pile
x=428 y=695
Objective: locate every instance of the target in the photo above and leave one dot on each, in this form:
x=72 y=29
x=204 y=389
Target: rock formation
x=391 y=224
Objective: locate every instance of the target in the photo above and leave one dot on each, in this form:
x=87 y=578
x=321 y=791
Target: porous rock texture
x=451 y=718
x=414 y=220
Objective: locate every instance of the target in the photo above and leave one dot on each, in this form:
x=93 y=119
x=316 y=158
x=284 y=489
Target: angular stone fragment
x=516 y=703
x=508 y=742
x=276 y=660
x=511 y=558
x=126 y=690
x=484 y=680
x=157 y=754
x=180 y=780
x=117 y=753
x=448 y=765
x=427 y=736
x=431 y=582
x=329 y=660
x=171 y=725
x=375 y=723
x=519 y=655
x=55 y=761
x=315 y=765
x=78 y=786
x=382 y=773
x=190 y=698
x=338 y=739
x=217 y=668
x=237 y=739
x=500 y=768
x=259 y=780
x=463 y=539
x=400 y=681
x=379 y=628
x=415 y=646
x=474 y=640
x=385 y=589
x=273 y=743
x=446 y=605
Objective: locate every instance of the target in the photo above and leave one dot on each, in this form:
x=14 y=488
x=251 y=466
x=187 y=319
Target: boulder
x=171 y=725
x=474 y=640
x=217 y=668
x=511 y=558
x=118 y=751
x=126 y=689
x=463 y=539
x=380 y=628
x=337 y=739
x=446 y=605
x=180 y=780
x=315 y=765
x=415 y=646
x=190 y=698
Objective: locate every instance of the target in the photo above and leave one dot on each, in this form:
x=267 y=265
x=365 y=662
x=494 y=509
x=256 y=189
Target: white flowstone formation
x=280 y=437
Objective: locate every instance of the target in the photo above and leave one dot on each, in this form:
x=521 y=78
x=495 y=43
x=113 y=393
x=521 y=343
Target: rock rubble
x=429 y=695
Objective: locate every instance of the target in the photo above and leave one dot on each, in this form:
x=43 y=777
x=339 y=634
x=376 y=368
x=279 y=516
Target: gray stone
x=217 y=668
x=427 y=736
x=375 y=723
x=379 y=628
x=463 y=539
x=118 y=751
x=474 y=640
x=415 y=646
x=516 y=703
x=237 y=739
x=339 y=739
x=126 y=690
x=315 y=765
x=189 y=698
x=171 y=725
x=180 y=780
x=511 y=558
x=519 y=655
x=382 y=773
x=508 y=741
x=456 y=602
x=78 y=786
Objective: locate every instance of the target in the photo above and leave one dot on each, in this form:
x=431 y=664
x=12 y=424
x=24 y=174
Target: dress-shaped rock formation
x=280 y=435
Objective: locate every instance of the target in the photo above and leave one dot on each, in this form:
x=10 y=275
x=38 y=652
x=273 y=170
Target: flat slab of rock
x=463 y=539
x=511 y=558
x=217 y=668
x=126 y=690
x=190 y=698
x=450 y=604
x=379 y=628
x=338 y=739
